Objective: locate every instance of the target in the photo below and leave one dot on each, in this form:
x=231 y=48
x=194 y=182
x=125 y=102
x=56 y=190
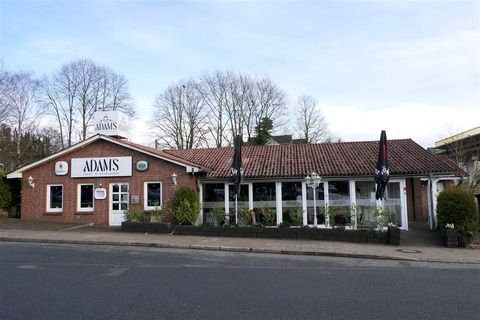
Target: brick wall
x=34 y=200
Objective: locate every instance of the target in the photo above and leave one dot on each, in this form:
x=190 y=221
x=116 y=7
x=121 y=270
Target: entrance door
x=118 y=202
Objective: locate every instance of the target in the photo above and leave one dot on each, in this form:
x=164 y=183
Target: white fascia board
x=18 y=173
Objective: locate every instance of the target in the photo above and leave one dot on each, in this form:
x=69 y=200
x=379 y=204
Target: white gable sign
x=111 y=123
x=101 y=167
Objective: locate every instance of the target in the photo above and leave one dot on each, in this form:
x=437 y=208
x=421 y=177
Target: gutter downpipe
x=431 y=216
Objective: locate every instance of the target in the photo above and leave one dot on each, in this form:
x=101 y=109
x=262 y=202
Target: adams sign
x=111 y=123
x=101 y=167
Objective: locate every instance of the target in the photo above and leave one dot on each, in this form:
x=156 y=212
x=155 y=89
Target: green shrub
x=5 y=194
x=268 y=216
x=185 y=206
x=245 y=216
x=457 y=206
x=218 y=216
x=134 y=214
x=296 y=216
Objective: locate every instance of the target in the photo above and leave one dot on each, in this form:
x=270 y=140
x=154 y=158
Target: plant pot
x=394 y=236
x=450 y=238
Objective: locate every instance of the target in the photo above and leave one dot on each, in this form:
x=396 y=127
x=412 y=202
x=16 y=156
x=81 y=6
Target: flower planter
x=358 y=236
x=145 y=227
x=450 y=238
x=394 y=236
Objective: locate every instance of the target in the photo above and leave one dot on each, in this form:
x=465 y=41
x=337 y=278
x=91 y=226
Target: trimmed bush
x=5 y=194
x=185 y=206
x=457 y=206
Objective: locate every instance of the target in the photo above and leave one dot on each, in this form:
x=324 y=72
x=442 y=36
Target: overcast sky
x=409 y=67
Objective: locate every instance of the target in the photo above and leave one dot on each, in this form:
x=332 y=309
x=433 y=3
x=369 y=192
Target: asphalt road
x=96 y=282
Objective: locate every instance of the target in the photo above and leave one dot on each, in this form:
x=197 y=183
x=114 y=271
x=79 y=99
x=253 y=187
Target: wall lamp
x=174 y=178
x=30 y=182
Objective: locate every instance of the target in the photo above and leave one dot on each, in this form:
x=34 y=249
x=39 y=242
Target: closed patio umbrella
x=236 y=171
x=382 y=171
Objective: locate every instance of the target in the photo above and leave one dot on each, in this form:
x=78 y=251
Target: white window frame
x=49 y=209
x=145 y=195
x=79 y=197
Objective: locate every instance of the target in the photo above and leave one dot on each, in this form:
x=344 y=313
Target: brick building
x=98 y=179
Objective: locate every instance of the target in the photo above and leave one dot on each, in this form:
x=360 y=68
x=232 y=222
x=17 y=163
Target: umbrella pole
x=236 y=208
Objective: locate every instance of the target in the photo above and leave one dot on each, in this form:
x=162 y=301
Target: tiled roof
x=327 y=159
x=165 y=155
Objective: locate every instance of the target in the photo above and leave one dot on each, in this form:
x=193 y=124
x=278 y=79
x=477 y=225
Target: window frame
x=49 y=193
x=145 y=195
x=79 y=197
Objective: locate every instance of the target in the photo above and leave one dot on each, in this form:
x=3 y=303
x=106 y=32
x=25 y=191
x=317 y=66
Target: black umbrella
x=236 y=170
x=382 y=171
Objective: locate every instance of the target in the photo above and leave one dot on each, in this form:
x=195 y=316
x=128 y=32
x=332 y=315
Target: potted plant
x=133 y=214
x=451 y=236
x=393 y=234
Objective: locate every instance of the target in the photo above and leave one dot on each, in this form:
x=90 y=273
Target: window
x=152 y=195
x=54 y=198
x=339 y=201
x=85 y=197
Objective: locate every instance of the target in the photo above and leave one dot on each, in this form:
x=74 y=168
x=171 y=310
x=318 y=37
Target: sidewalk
x=14 y=230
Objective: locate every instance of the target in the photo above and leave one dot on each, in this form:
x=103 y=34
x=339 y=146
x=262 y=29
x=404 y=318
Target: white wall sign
x=111 y=123
x=142 y=165
x=100 y=193
x=101 y=167
x=61 y=168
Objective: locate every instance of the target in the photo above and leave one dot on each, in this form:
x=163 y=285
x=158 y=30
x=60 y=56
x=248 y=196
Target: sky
x=411 y=68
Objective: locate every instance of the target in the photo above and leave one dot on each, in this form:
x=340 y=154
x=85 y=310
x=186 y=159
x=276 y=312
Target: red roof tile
x=327 y=159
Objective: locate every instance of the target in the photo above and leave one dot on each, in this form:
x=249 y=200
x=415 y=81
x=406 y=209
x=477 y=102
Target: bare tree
x=214 y=91
x=271 y=100
x=180 y=117
x=80 y=88
x=235 y=105
x=3 y=92
x=463 y=149
x=60 y=93
x=309 y=120
x=20 y=95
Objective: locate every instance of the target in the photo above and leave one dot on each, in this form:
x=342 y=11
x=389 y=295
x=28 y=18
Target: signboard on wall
x=111 y=123
x=101 y=167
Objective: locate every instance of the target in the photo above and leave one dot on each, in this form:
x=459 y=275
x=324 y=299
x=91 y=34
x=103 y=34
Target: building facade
x=100 y=178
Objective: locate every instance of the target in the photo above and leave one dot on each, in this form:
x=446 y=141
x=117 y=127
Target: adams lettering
x=101 y=167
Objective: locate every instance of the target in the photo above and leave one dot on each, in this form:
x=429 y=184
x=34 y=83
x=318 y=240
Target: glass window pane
x=115 y=188
x=292 y=211
x=124 y=206
x=242 y=195
x=264 y=202
x=115 y=206
x=124 y=188
x=115 y=197
x=366 y=203
x=339 y=201
x=124 y=197
x=393 y=203
x=213 y=192
x=86 y=196
x=56 y=194
x=153 y=194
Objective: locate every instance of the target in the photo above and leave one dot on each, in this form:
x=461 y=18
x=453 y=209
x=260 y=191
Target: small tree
x=263 y=130
x=457 y=206
x=185 y=206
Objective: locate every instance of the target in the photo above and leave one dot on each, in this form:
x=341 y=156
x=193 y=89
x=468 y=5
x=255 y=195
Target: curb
x=225 y=249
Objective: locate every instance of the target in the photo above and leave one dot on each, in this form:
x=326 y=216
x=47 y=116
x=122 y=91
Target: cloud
x=424 y=123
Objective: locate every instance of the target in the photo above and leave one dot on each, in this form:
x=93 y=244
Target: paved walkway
x=421 y=249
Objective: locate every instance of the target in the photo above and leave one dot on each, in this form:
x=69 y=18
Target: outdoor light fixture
x=313 y=181
x=174 y=178
x=30 y=182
